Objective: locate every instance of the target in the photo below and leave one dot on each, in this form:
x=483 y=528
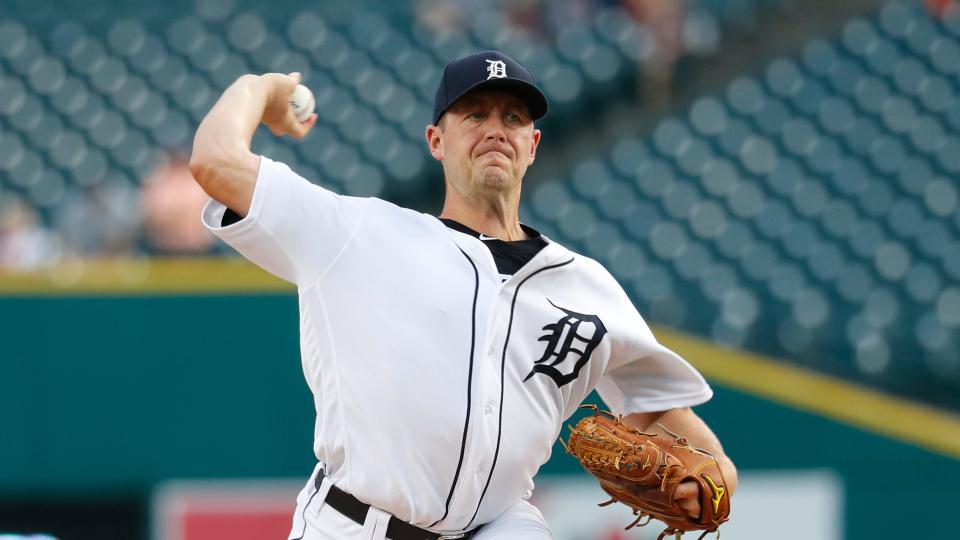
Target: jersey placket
x=484 y=440
x=484 y=427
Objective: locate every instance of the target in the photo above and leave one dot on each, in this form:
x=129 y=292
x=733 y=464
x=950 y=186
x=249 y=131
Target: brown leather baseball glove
x=642 y=470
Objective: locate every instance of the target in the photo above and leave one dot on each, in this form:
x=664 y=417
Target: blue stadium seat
x=821 y=192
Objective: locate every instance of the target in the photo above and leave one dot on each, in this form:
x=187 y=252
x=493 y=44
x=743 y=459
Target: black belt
x=350 y=506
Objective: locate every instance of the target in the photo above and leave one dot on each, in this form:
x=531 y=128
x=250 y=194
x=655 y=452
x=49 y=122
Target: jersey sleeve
x=294 y=229
x=646 y=376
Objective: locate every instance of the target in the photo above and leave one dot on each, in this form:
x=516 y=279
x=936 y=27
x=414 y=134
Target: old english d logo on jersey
x=575 y=336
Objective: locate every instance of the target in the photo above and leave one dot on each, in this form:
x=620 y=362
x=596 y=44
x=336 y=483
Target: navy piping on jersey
x=317 y=480
x=466 y=422
x=503 y=363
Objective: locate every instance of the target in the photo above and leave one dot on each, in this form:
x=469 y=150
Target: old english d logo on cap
x=485 y=69
x=497 y=69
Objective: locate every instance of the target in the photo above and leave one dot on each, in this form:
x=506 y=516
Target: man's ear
x=435 y=142
x=533 y=147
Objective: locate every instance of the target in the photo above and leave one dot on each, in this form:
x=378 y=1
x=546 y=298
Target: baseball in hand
x=302 y=103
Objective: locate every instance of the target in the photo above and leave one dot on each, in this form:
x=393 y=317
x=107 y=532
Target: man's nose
x=495 y=130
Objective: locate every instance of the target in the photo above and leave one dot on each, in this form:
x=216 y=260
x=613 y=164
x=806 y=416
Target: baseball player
x=443 y=353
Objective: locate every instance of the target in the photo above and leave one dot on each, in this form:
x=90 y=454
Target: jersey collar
x=552 y=253
x=460 y=227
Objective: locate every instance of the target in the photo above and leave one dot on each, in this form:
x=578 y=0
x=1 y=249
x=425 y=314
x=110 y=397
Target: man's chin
x=494 y=177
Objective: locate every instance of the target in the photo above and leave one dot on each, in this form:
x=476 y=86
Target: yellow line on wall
x=768 y=378
x=852 y=404
x=147 y=276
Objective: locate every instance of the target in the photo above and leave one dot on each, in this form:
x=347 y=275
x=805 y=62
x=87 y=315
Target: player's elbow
x=205 y=169
x=228 y=177
x=216 y=169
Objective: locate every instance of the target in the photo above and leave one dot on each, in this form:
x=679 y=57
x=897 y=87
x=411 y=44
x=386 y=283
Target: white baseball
x=302 y=103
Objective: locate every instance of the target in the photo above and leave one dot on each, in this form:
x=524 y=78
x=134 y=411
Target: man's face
x=486 y=141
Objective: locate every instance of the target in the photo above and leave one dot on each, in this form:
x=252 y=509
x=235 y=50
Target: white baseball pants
x=314 y=520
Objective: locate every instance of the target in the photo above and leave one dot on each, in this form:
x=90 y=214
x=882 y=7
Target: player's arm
x=222 y=162
x=685 y=422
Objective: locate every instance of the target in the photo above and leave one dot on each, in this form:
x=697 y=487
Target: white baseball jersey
x=439 y=387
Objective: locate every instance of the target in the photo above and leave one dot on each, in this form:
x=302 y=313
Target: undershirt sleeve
x=294 y=229
x=230 y=217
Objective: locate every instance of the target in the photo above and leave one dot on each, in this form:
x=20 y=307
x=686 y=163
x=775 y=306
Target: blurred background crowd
x=151 y=73
x=792 y=167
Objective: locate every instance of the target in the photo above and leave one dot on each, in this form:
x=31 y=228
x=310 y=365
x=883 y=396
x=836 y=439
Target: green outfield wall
x=105 y=394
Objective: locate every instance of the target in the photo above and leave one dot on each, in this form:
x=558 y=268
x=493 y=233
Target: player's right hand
x=278 y=115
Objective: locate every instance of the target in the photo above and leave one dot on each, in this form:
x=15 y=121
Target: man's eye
x=476 y=116
x=513 y=117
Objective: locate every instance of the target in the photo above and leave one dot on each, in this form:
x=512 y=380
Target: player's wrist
x=729 y=471
x=270 y=83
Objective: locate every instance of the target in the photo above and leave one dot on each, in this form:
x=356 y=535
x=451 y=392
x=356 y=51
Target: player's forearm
x=234 y=118
x=684 y=421
x=221 y=160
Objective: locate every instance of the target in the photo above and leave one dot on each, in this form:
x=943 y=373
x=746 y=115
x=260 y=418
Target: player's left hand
x=687 y=496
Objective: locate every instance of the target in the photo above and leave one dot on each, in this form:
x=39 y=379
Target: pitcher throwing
x=444 y=352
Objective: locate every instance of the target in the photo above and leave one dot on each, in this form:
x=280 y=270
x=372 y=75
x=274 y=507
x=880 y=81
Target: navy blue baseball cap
x=487 y=69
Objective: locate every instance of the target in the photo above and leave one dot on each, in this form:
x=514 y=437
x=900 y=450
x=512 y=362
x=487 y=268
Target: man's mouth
x=494 y=152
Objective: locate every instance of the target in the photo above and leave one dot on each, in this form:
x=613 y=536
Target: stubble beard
x=493 y=179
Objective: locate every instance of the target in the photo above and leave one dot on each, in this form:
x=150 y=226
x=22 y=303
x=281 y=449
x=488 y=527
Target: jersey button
x=488 y=408
x=527 y=494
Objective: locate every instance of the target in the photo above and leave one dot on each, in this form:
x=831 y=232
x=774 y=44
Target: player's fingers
x=300 y=129
x=281 y=84
x=290 y=82
x=309 y=123
x=687 y=496
x=295 y=128
x=687 y=490
x=691 y=507
x=277 y=115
